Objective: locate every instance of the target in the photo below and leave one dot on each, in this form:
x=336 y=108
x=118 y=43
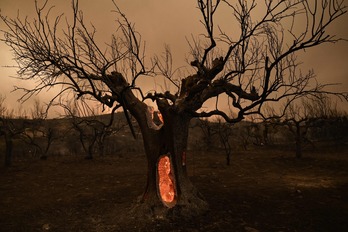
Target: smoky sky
x=163 y=22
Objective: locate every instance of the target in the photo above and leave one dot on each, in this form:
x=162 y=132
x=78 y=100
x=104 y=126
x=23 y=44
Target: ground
x=262 y=190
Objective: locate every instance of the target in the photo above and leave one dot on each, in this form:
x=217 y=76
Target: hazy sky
x=166 y=21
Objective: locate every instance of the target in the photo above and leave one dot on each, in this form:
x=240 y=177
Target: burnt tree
x=301 y=117
x=39 y=133
x=208 y=132
x=6 y=130
x=224 y=131
x=9 y=129
x=91 y=130
x=251 y=66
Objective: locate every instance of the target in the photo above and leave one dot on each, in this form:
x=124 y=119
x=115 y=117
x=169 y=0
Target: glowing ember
x=165 y=181
x=160 y=117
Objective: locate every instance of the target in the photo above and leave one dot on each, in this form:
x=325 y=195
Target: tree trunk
x=8 y=154
x=169 y=141
x=298 y=142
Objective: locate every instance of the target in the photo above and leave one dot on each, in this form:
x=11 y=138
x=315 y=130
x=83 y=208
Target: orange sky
x=169 y=22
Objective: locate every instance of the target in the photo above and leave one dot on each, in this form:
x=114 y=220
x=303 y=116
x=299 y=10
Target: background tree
x=304 y=115
x=224 y=131
x=208 y=133
x=39 y=133
x=216 y=134
x=91 y=129
x=244 y=134
x=3 y=107
x=5 y=130
x=9 y=129
x=298 y=121
x=251 y=66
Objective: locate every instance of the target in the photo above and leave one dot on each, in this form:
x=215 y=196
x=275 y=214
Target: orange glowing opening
x=165 y=181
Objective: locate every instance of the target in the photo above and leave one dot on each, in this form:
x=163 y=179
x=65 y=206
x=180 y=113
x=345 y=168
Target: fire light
x=165 y=181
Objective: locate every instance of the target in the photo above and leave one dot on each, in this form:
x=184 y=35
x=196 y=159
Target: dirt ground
x=262 y=190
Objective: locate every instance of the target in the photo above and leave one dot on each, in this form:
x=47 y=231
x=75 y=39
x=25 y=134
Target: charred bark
x=9 y=148
x=168 y=140
x=8 y=130
x=298 y=141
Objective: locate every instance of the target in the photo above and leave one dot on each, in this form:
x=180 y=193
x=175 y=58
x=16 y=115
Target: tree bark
x=9 y=147
x=169 y=140
x=298 y=141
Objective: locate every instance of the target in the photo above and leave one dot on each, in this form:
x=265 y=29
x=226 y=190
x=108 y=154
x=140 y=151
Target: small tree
x=208 y=133
x=297 y=120
x=9 y=128
x=251 y=65
x=303 y=115
x=216 y=131
x=38 y=132
x=224 y=130
x=3 y=107
x=6 y=131
x=91 y=130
